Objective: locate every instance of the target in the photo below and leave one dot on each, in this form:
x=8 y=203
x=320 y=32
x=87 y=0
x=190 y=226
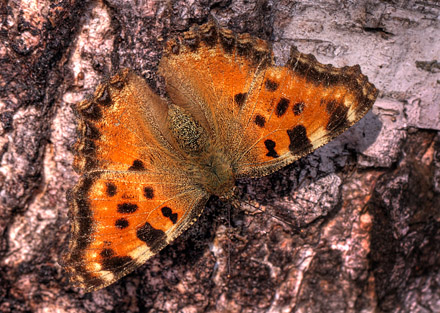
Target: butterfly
x=148 y=165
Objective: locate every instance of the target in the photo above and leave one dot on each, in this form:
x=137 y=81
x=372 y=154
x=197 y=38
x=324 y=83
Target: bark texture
x=354 y=227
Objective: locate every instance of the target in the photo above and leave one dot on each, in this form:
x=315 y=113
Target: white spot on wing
x=139 y=252
x=99 y=189
x=316 y=137
x=108 y=276
x=351 y=114
x=94 y=267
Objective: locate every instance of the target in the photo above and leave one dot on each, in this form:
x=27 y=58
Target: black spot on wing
x=92 y=112
x=137 y=165
x=260 y=120
x=298 y=108
x=191 y=40
x=115 y=262
x=167 y=212
x=338 y=116
x=111 y=262
x=107 y=253
x=270 y=146
x=240 y=98
x=148 y=192
x=104 y=98
x=118 y=83
x=227 y=40
x=110 y=189
x=299 y=142
x=127 y=208
x=121 y=223
x=90 y=131
x=271 y=85
x=209 y=35
x=151 y=236
x=282 y=106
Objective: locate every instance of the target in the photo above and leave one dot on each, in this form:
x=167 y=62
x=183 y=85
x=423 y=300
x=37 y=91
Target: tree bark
x=354 y=227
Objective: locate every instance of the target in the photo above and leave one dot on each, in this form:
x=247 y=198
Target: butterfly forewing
x=211 y=70
x=131 y=201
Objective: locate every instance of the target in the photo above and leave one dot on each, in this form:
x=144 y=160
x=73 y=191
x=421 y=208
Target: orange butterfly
x=149 y=165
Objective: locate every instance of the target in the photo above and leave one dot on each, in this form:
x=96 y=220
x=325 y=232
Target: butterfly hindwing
x=301 y=107
x=121 y=219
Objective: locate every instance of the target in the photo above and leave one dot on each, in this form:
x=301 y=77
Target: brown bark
x=354 y=227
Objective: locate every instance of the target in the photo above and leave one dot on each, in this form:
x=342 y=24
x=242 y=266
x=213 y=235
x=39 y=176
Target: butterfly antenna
x=304 y=199
x=353 y=170
x=268 y=213
x=229 y=243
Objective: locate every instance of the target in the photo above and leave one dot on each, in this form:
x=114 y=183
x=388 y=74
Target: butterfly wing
x=212 y=76
x=120 y=127
x=299 y=108
x=266 y=116
x=134 y=196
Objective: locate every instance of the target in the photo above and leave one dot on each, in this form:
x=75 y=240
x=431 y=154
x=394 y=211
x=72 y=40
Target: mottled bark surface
x=354 y=227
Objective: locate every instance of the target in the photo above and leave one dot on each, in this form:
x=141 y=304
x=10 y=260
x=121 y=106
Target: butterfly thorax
x=189 y=135
x=207 y=160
